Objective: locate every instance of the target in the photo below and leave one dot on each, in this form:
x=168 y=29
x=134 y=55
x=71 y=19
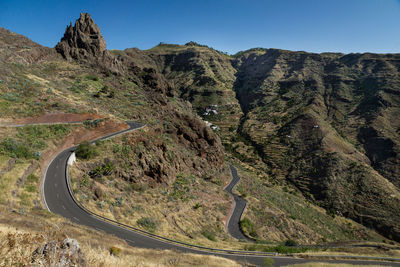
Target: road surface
x=233 y=224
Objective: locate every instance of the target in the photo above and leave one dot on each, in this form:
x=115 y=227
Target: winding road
x=233 y=224
x=59 y=199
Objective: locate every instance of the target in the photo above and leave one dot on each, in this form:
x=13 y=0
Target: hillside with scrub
x=315 y=139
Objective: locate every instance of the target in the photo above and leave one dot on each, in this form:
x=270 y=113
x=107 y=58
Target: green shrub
x=217 y=181
x=104 y=169
x=331 y=212
x=148 y=223
x=115 y=251
x=86 y=151
x=118 y=202
x=92 y=77
x=30 y=188
x=209 y=235
x=32 y=178
x=197 y=206
x=290 y=243
x=248 y=226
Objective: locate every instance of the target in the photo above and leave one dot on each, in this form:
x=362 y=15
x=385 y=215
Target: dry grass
x=3 y=161
x=175 y=219
x=20 y=235
x=8 y=182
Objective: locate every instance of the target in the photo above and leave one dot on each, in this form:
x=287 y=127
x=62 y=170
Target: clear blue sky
x=227 y=25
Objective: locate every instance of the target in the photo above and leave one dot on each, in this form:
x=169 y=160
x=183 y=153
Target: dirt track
x=50 y=118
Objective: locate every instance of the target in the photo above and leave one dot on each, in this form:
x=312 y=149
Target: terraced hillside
x=328 y=125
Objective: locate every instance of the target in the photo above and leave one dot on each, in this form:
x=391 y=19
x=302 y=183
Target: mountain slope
x=328 y=125
x=307 y=131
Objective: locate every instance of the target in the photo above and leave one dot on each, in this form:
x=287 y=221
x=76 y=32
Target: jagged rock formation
x=83 y=40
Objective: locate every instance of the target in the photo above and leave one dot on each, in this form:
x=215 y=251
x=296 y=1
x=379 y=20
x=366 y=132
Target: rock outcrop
x=83 y=40
x=65 y=253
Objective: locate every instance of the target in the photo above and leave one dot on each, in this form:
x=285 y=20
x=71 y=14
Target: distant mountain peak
x=83 y=40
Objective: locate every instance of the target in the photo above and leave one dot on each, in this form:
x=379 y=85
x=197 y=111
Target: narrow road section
x=233 y=224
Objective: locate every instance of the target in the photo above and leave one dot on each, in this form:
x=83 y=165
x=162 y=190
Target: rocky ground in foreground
x=42 y=239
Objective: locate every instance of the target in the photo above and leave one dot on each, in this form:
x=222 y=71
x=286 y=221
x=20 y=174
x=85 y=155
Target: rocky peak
x=83 y=40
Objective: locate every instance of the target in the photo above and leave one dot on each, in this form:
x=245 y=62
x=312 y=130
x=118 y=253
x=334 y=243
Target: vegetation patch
x=282 y=249
x=248 y=227
x=30 y=140
x=16 y=149
x=209 y=235
x=93 y=123
x=181 y=187
x=104 y=169
x=148 y=223
x=115 y=251
x=86 y=151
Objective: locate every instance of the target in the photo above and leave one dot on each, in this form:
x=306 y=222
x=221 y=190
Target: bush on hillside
x=248 y=226
x=86 y=151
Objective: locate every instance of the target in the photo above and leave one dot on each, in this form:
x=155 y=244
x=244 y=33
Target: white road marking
x=76 y=218
x=130 y=241
x=63 y=207
x=58 y=196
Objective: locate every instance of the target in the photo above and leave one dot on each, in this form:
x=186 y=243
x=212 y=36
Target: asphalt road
x=58 y=199
x=240 y=204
